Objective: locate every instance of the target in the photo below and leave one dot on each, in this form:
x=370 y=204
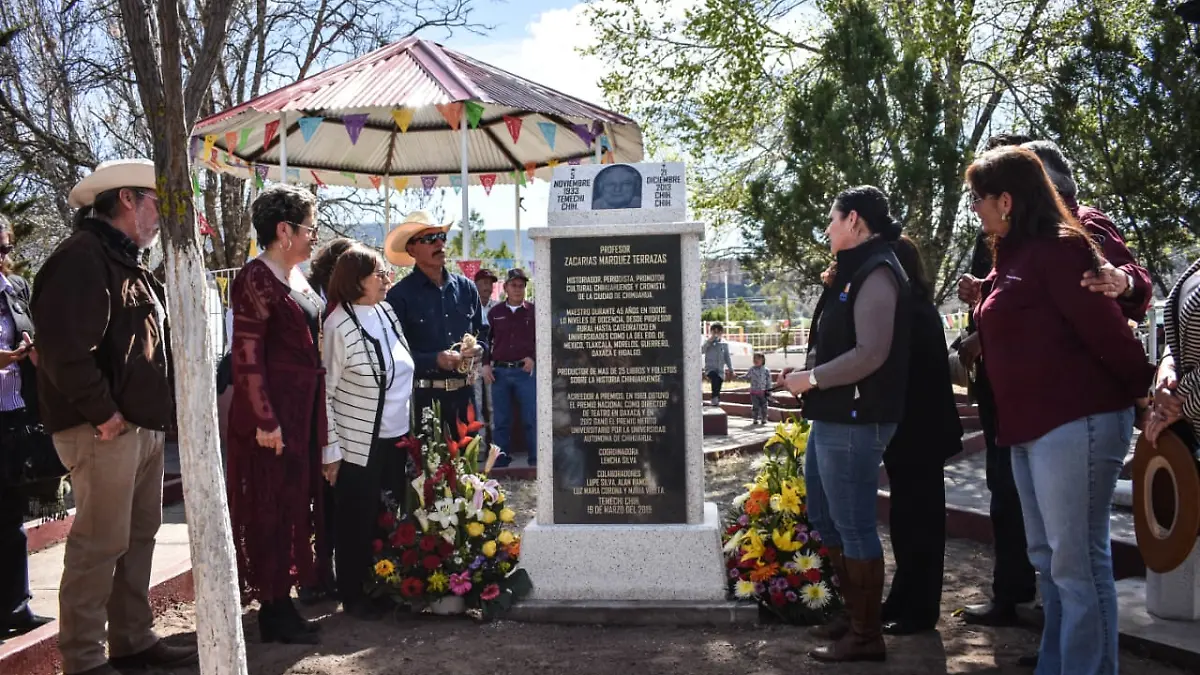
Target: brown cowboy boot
x=838 y=624
x=864 y=642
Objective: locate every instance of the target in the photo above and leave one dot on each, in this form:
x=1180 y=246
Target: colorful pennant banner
x=231 y=141
x=376 y=181
x=194 y=148
x=269 y=132
x=308 y=126
x=552 y=163
x=403 y=117
x=244 y=139
x=354 y=126
x=349 y=176
x=195 y=185
x=514 y=127
x=530 y=168
x=474 y=113
x=210 y=141
x=456 y=182
x=452 y=112
x=573 y=162
x=260 y=176
x=205 y=229
x=609 y=158
x=582 y=132
x=317 y=178
x=604 y=146
x=428 y=182
x=549 y=132
x=469 y=267
x=401 y=183
x=487 y=180
x=293 y=175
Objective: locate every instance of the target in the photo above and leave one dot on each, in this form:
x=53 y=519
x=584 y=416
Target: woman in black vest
x=929 y=434
x=853 y=388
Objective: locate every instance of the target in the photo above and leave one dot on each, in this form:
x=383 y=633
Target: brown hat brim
x=1166 y=501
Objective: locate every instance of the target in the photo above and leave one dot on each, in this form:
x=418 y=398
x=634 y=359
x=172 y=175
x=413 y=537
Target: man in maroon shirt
x=509 y=366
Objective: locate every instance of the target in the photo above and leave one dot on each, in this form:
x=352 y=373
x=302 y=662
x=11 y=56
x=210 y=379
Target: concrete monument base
x=626 y=562
x=1176 y=594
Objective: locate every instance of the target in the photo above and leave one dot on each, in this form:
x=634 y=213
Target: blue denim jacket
x=435 y=318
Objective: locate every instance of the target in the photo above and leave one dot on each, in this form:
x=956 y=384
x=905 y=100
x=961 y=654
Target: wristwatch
x=812 y=379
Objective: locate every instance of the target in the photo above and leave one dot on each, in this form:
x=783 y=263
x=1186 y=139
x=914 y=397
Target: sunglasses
x=429 y=238
x=313 y=232
x=6 y=249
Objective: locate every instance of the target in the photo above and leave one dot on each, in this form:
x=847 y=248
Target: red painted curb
x=36 y=653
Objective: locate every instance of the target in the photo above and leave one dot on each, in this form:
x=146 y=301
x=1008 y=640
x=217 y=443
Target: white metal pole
x=466 y=209
x=726 y=297
x=387 y=204
x=517 y=221
x=283 y=134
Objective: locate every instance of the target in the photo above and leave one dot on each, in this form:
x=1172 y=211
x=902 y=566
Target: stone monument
x=621 y=512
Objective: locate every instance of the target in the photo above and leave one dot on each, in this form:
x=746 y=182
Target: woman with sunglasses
x=277 y=420
x=368 y=385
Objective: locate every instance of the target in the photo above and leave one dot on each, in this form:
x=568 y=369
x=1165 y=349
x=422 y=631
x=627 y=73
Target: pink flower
x=490 y=592
x=460 y=584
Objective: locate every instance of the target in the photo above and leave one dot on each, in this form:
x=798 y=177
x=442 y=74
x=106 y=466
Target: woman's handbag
x=27 y=453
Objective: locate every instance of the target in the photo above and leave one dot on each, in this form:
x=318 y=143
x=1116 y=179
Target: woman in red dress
x=277 y=424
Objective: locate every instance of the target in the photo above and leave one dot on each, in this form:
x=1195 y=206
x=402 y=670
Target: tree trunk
x=160 y=83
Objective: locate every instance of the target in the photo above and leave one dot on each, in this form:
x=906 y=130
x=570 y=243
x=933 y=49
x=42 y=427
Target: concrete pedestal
x=1176 y=594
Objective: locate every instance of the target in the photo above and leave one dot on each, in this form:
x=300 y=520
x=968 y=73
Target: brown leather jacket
x=102 y=335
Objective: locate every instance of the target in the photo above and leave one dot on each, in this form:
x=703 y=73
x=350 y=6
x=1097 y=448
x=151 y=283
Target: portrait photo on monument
x=617 y=187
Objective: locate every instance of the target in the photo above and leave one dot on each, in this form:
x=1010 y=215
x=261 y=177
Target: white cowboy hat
x=118 y=173
x=397 y=239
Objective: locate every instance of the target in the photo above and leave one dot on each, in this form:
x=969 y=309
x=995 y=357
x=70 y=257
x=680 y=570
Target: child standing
x=716 y=356
x=760 y=382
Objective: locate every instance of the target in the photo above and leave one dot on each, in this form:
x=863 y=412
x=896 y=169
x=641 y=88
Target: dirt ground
x=454 y=646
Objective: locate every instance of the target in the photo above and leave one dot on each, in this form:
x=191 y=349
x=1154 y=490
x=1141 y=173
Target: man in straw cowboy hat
x=437 y=308
x=106 y=395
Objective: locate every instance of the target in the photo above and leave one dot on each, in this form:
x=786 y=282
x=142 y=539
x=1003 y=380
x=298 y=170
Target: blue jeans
x=1066 y=480
x=514 y=383
x=841 y=470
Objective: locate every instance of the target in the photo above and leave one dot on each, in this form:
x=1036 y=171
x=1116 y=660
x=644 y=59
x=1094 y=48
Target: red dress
x=278 y=382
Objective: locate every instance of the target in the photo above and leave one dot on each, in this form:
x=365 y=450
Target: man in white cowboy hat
x=437 y=308
x=106 y=395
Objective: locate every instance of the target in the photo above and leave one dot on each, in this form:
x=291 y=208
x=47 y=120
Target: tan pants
x=106 y=575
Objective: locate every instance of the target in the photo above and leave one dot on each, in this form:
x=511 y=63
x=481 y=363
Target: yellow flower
x=438 y=581
x=384 y=568
x=783 y=540
x=752 y=546
x=489 y=548
x=475 y=529
x=789 y=499
x=744 y=589
x=505 y=538
x=508 y=515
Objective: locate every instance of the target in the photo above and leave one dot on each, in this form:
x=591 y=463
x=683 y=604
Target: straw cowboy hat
x=118 y=173
x=397 y=239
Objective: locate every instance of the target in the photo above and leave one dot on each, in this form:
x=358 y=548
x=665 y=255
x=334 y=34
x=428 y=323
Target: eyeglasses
x=384 y=275
x=429 y=238
x=976 y=198
x=313 y=232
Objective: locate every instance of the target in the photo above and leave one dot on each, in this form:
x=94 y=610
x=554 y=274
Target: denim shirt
x=434 y=319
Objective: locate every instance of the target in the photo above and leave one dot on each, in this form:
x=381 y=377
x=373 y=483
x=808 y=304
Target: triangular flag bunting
x=403 y=117
x=244 y=138
x=573 y=162
x=487 y=180
x=349 y=176
x=231 y=141
x=514 y=126
x=609 y=158
x=376 y=181
x=519 y=177
x=530 y=167
x=552 y=163
x=401 y=183
x=428 y=182
x=260 y=175
x=196 y=185
x=354 y=126
x=209 y=141
x=452 y=112
x=308 y=126
x=194 y=148
x=604 y=142
x=205 y=229
x=456 y=182
x=317 y=178
x=582 y=132
x=474 y=113
x=293 y=175
x=597 y=129
x=549 y=132
x=269 y=132
x=469 y=267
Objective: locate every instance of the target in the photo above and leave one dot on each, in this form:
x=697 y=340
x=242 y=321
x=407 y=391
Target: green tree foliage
x=1126 y=111
x=738 y=311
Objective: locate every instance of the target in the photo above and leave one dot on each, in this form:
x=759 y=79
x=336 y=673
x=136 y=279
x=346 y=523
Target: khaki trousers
x=106 y=576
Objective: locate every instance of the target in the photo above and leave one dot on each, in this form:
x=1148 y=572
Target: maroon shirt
x=1054 y=351
x=513 y=337
x=1113 y=247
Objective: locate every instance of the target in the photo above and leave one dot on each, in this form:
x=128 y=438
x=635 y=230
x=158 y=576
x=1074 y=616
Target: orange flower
x=514 y=549
x=758 y=501
x=764 y=573
x=453 y=447
x=470 y=427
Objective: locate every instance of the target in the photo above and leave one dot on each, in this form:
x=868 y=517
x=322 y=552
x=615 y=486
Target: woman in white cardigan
x=368 y=384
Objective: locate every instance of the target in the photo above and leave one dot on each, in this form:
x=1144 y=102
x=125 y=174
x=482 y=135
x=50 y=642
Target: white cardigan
x=352 y=395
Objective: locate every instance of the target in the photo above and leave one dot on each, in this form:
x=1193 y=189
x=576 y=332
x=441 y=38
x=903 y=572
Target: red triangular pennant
x=487 y=180
x=376 y=181
x=514 y=127
x=269 y=133
x=452 y=112
x=205 y=229
x=469 y=267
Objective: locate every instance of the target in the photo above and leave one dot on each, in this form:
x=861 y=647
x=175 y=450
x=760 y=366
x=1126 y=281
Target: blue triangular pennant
x=549 y=132
x=308 y=126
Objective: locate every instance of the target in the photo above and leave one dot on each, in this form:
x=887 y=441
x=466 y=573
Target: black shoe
x=288 y=610
x=24 y=625
x=274 y=625
x=502 y=461
x=159 y=656
x=902 y=627
x=1028 y=661
x=991 y=614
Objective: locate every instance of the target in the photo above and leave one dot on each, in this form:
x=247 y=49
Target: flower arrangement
x=772 y=554
x=449 y=535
